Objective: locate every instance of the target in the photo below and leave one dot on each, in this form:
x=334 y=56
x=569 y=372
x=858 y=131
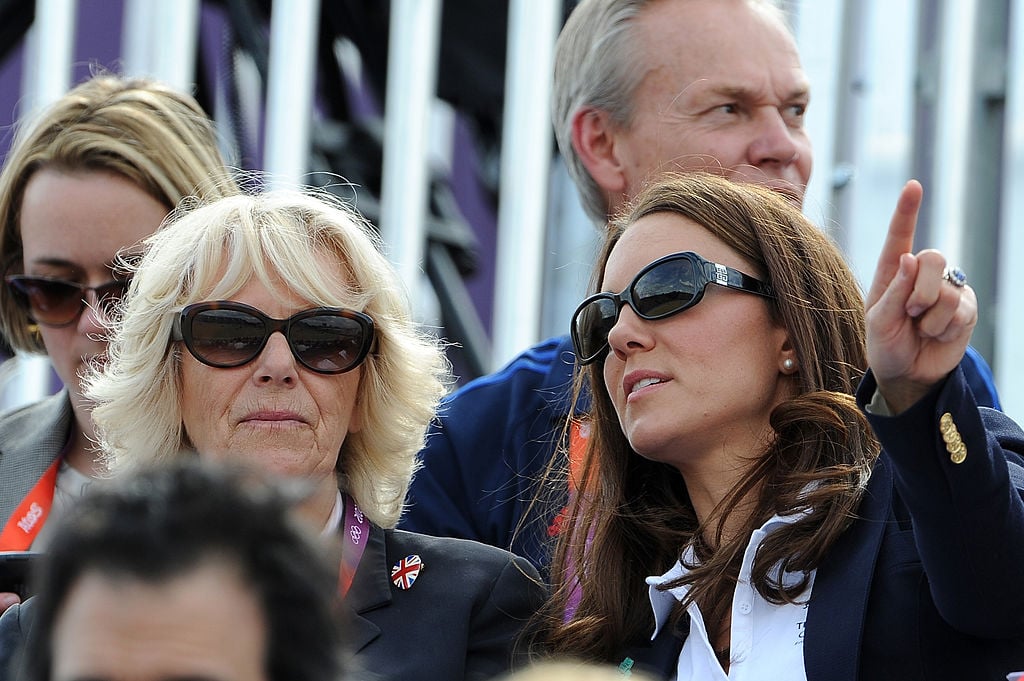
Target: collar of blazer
x=839 y=599
x=371 y=589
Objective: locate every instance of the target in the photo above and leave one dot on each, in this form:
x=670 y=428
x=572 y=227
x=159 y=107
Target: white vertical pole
x=159 y=40
x=50 y=42
x=947 y=196
x=290 y=85
x=525 y=173
x=47 y=76
x=819 y=25
x=413 y=40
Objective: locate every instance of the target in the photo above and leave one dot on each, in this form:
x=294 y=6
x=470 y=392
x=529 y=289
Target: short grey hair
x=599 y=64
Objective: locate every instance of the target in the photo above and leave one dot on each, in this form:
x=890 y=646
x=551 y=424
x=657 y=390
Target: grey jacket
x=31 y=438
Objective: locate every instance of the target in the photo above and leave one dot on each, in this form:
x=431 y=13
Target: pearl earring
x=788 y=364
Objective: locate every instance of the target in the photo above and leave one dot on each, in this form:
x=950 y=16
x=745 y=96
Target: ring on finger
x=955 y=276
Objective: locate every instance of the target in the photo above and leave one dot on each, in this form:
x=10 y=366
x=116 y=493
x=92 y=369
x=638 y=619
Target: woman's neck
x=714 y=473
x=82 y=453
x=710 y=496
x=317 y=508
x=707 y=492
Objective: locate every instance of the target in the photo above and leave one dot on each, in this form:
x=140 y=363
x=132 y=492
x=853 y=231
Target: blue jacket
x=491 y=443
x=928 y=581
x=496 y=435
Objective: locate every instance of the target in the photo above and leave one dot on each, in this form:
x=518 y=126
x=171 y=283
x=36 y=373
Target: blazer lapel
x=371 y=589
x=835 y=617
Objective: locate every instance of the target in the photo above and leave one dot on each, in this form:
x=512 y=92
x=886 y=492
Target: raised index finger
x=899 y=240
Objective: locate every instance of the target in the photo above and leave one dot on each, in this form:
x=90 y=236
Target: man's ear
x=594 y=139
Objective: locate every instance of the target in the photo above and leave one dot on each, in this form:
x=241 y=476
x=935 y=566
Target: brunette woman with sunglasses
x=94 y=174
x=270 y=331
x=737 y=503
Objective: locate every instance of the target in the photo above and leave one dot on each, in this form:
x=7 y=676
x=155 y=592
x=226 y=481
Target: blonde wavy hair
x=212 y=251
x=142 y=130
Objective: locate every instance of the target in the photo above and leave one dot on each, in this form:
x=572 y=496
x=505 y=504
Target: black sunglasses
x=226 y=334
x=663 y=288
x=59 y=302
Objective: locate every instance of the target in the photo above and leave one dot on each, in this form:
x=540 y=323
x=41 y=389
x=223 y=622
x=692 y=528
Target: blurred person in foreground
x=737 y=503
x=86 y=180
x=269 y=330
x=640 y=87
x=570 y=670
x=185 y=571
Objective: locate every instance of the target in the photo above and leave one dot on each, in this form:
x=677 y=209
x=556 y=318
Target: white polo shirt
x=766 y=640
x=334 y=520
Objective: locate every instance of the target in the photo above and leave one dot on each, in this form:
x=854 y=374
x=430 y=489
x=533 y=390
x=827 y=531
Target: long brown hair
x=632 y=517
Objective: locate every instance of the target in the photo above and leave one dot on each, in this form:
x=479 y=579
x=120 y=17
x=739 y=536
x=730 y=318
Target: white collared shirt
x=334 y=520
x=766 y=640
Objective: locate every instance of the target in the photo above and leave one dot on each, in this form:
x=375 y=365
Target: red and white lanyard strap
x=27 y=520
x=355 y=535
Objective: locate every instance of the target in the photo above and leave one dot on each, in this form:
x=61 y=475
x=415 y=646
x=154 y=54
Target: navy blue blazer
x=928 y=582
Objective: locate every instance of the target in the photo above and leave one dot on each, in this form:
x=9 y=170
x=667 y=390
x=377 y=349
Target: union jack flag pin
x=406 y=571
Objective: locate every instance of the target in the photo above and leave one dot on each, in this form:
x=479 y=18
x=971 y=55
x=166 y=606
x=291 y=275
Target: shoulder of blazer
x=31 y=438
x=42 y=424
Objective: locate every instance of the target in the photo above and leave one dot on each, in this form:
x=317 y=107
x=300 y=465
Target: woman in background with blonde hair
x=85 y=181
x=270 y=331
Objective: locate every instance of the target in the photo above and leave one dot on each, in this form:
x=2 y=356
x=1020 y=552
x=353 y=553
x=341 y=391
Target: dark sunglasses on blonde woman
x=226 y=334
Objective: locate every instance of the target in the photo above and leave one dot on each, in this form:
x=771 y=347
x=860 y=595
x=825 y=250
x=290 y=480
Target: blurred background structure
x=432 y=116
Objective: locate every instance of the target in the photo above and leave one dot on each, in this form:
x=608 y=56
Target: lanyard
x=578 y=437
x=27 y=520
x=356 y=533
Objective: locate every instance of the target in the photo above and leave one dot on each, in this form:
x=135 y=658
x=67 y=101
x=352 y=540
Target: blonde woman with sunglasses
x=270 y=331
x=85 y=181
